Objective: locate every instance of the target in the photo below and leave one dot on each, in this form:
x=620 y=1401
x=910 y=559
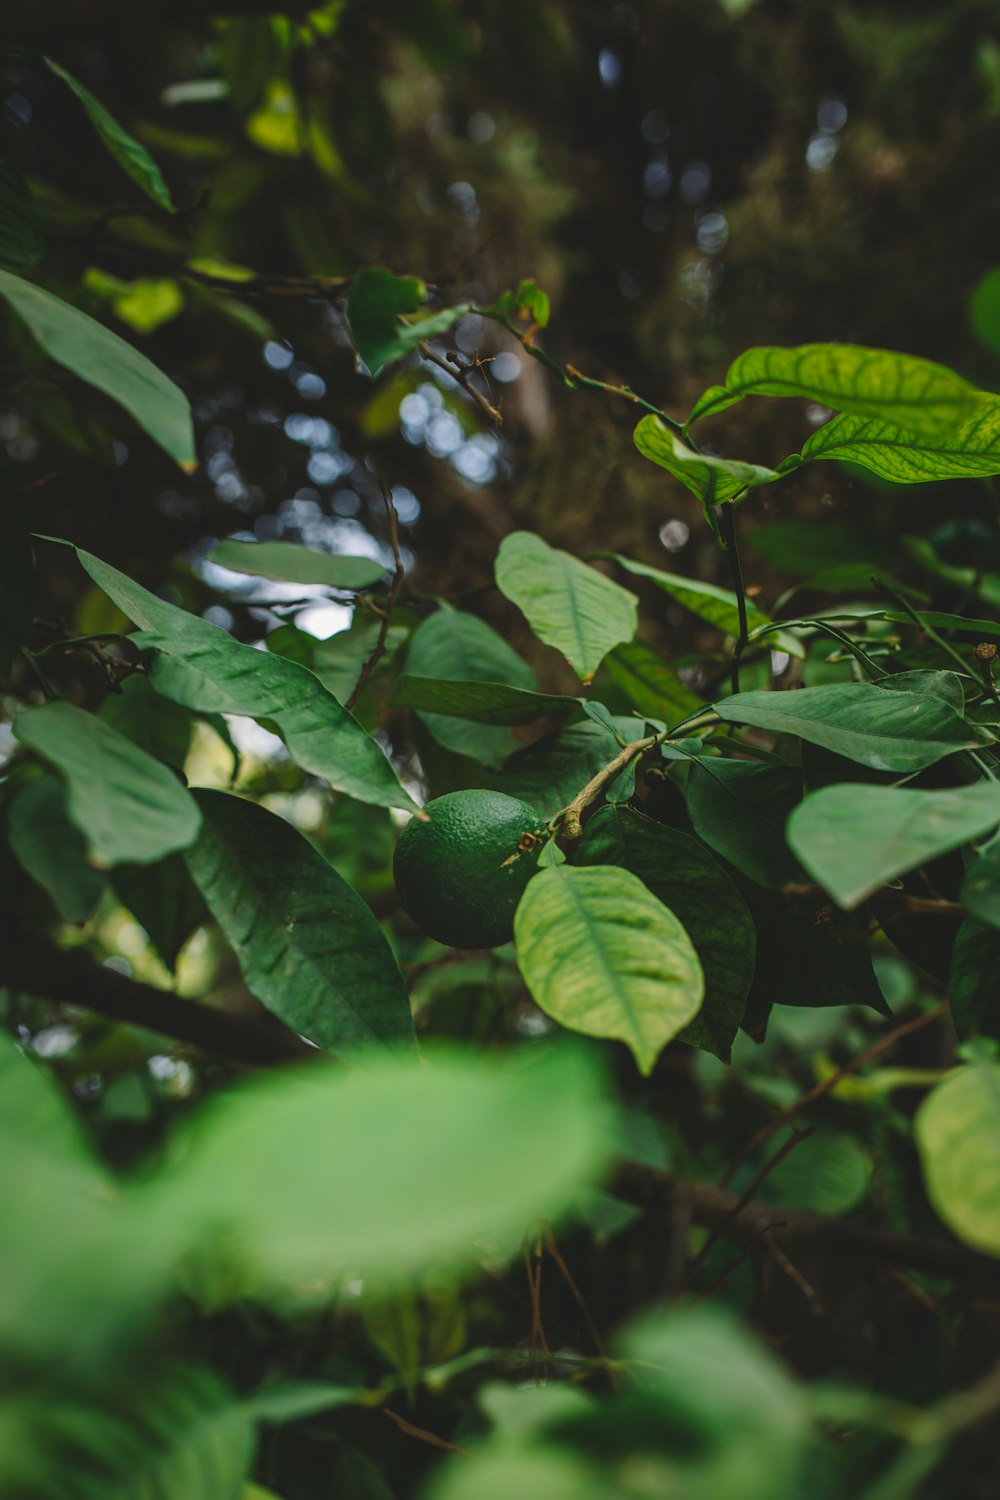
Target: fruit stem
x=567 y=819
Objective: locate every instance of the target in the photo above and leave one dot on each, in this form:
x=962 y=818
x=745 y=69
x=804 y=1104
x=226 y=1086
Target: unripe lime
x=461 y=875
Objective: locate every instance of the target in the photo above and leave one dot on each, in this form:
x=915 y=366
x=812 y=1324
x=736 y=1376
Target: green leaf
x=853 y=839
x=165 y=900
x=716 y=606
x=968 y=450
x=957 y=1130
x=603 y=956
x=480 y=702
x=309 y=947
x=713 y=480
x=984 y=311
x=685 y=877
x=128 y=806
x=202 y=667
x=567 y=604
x=889 y=731
x=900 y=388
x=650 y=683
x=375 y=305
x=17 y=587
x=549 y=773
x=528 y=302
x=829 y=1172
x=981 y=887
x=126 y=150
x=982 y=630
x=740 y=810
x=22 y=239
x=102 y=359
x=972 y=979
x=456 y=646
x=154 y=723
x=385 y=1167
x=289 y=563
x=338 y=661
x=52 y=849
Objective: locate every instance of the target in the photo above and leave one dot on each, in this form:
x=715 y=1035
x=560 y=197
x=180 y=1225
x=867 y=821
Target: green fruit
x=453 y=874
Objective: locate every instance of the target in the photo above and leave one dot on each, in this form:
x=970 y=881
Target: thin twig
x=824 y=1086
x=394 y=588
x=901 y=602
x=727 y=532
x=742 y=1202
x=460 y=374
x=425 y=1436
x=578 y=1297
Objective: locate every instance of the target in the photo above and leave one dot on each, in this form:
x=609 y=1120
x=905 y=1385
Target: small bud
x=986 y=652
x=571 y=828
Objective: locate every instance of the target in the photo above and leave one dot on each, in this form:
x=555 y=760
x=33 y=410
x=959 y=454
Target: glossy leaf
x=968 y=450
x=713 y=480
x=549 y=773
x=21 y=236
x=376 y=305
x=527 y=302
x=202 y=667
x=650 y=683
x=889 y=731
x=102 y=359
x=165 y=900
x=684 y=876
x=958 y=1134
x=853 y=839
x=981 y=886
x=740 y=810
x=53 y=850
x=568 y=604
x=390 y=1165
x=601 y=955
x=128 y=806
x=481 y=702
x=456 y=646
x=132 y=157
x=900 y=388
x=309 y=947
x=289 y=563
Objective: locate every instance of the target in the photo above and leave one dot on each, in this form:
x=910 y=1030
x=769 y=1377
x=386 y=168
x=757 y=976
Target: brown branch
x=460 y=374
x=786 y=1116
x=394 y=588
x=425 y=1436
x=713 y=1207
x=69 y=979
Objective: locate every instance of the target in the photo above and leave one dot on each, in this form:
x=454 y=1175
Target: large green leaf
x=650 y=683
x=21 y=236
x=972 y=979
x=166 y=901
x=601 y=955
x=128 y=806
x=456 y=646
x=958 y=1133
x=900 y=388
x=981 y=886
x=53 y=850
x=549 y=773
x=969 y=450
x=480 y=702
x=377 y=303
x=685 y=877
x=713 y=480
x=309 y=947
x=568 y=604
x=126 y=150
x=102 y=359
x=391 y=1164
x=288 y=563
x=740 y=810
x=202 y=667
x=889 y=731
x=853 y=839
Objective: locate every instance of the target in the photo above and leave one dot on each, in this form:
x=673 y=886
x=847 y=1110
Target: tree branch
x=718 y=1208
x=68 y=979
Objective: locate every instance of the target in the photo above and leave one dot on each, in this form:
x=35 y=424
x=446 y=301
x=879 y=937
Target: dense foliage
x=587 y=404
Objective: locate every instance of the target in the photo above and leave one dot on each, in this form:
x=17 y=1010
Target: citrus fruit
x=452 y=873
